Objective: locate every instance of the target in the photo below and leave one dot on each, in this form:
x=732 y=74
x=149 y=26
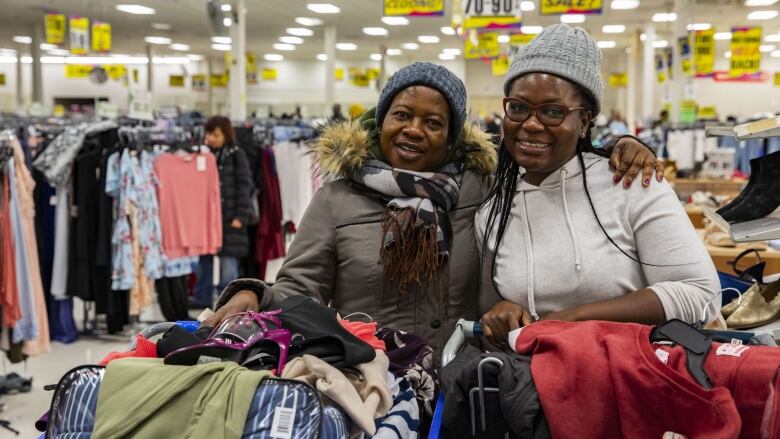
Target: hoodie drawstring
x=570 y=225
x=529 y=257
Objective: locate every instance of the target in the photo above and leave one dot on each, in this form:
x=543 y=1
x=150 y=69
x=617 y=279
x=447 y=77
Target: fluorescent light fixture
x=52 y=60
x=503 y=39
x=531 y=30
x=227 y=22
x=722 y=36
x=157 y=40
x=135 y=9
x=26 y=60
x=393 y=52
x=273 y=57
x=221 y=47
x=606 y=44
x=700 y=26
x=161 y=26
x=395 y=21
x=170 y=60
x=527 y=6
x=762 y=15
x=376 y=57
x=624 y=4
x=754 y=3
x=446 y=57
x=642 y=37
x=660 y=44
x=45 y=46
x=613 y=29
x=766 y=48
x=346 y=46
x=291 y=40
x=323 y=8
x=773 y=38
x=664 y=17
x=306 y=21
x=180 y=47
x=428 y=39
x=22 y=39
x=446 y=30
x=226 y=7
x=59 y=52
x=375 y=31
x=284 y=47
x=775 y=54
x=410 y=46
x=455 y=52
x=572 y=18
x=727 y=54
x=106 y=60
x=7 y=51
x=221 y=40
x=195 y=57
x=7 y=59
x=299 y=31
x=322 y=57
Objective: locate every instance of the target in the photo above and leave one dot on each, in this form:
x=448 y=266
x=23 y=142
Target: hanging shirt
x=9 y=289
x=294 y=168
x=59 y=277
x=26 y=327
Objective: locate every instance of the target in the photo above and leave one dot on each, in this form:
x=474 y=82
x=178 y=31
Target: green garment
x=143 y=398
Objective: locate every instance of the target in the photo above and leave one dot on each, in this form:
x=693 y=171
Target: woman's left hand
x=629 y=157
x=236 y=224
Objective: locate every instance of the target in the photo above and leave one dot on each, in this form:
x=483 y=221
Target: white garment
x=294 y=166
x=59 y=276
x=554 y=256
x=681 y=148
x=700 y=145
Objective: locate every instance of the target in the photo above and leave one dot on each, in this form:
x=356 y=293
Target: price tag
x=201 y=163
x=282 y=425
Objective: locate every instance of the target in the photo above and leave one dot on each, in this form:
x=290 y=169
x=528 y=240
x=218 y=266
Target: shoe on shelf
x=755 y=172
x=759 y=306
x=763 y=198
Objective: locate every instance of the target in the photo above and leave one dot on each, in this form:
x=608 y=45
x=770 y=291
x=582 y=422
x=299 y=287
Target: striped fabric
x=403 y=419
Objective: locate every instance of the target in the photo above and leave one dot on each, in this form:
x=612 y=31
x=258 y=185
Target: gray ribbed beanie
x=430 y=75
x=563 y=51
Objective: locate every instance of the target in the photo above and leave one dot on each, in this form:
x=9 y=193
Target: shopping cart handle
x=463 y=329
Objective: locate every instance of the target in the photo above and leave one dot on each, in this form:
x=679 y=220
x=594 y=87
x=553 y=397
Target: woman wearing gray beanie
x=558 y=240
x=393 y=236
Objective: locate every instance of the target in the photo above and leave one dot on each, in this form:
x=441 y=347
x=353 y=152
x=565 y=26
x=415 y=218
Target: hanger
x=696 y=343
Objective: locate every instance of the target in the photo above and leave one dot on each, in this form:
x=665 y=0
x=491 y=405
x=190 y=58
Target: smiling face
x=414 y=132
x=538 y=148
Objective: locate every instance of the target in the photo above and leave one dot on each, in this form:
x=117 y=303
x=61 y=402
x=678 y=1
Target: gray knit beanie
x=429 y=75
x=563 y=51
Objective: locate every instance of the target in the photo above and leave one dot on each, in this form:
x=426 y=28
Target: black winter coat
x=235 y=185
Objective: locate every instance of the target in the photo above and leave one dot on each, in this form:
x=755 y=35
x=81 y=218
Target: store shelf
x=762 y=229
x=759 y=129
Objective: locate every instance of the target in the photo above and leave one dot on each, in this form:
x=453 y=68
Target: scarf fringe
x=413 y=256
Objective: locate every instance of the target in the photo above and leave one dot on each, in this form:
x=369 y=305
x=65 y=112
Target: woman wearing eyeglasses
x=558 y=239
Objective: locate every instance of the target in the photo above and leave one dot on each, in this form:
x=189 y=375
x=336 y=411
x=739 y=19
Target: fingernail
x=646 y=182
x=661 y=177
x=627 y=184
x=616 y=178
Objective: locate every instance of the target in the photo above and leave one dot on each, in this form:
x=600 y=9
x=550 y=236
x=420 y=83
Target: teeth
x=534 y=145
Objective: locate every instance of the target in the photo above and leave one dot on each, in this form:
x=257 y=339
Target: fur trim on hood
x=343 y=147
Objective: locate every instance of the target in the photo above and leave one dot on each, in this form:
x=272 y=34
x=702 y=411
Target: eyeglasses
x=551 y=115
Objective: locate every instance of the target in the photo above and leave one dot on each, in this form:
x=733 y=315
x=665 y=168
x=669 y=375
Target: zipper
x=55 y=399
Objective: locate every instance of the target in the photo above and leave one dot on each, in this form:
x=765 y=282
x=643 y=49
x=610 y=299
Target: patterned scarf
x=416 y=229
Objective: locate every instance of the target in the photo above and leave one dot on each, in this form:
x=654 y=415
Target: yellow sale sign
x=76 y=71
x=101 y=37
x=704 y=52
x=269 y=74
x=618 y=80
x=521 y=39
x=55 y=28
x=79 y=35
x=396 y=8
x=486 y=46
x=558 y=7
x=745 y=53
x=500 y=66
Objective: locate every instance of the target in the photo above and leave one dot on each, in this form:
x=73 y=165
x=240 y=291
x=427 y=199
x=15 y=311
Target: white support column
x=633 y=80
x=150 y=70
x=238 y=64
x=382 y=68
x=679 y=90
x=37 y=73
x=19 y=80
x=649 y=74
x=209 y=72
x=330 y=68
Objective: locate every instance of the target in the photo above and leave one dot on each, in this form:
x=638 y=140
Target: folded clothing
x=366 y=332
x=143 y=349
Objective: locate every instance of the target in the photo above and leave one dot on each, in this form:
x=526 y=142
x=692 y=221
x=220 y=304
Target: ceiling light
x=727 y=54
x=195 y=57
x=273 y=57
x=395 y=21
x=299 y=31
x=606 y=44
x=180 y=47
x=720 y=36
x=59 y=52
x=22 y=39
x=776 y=54
x=125 y=59
x=53 y=59
x=773 y=38
x=765 y=48
x=393 y=52
x=49 y=47
x=158 y=40
x=531 y=30
x=26 y=60
x=410 y=46
x=660 y=44
x=322 y=57
x=754 y=3
x=170 y=60
x=221 y=47
x=503 y=39
x=7 y=51
x=221 y=40
x=284 y=47
x=624 y=4
x=7 y=59
x=527 y=6
x=428 y=39
x=446 y=30
x=572 y=18
x=226 y=7
x=700 y=26
x=642 y=37
x=135 y=9
x=305 y=21
x=161 y=26
x=663 y=17
x=323 y=8
x=375 y=31
x=291 y=40
x=613 y=29
x=376 y=56
x=227 y=22
x=346 y=46
x=762 y=15
x=446 y=57
x=452 y=51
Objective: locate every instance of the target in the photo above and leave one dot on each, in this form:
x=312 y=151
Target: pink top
x=190 y=206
